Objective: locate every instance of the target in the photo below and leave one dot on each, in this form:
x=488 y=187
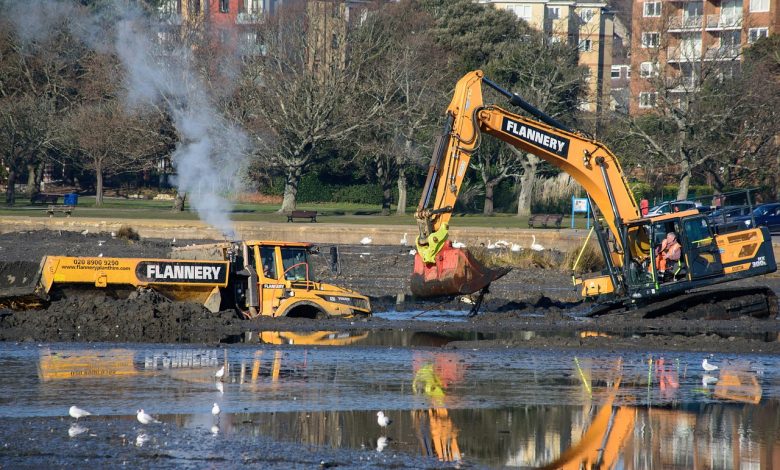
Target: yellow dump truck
x=254 y=277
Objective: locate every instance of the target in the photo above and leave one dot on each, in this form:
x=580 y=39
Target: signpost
x=580 y=204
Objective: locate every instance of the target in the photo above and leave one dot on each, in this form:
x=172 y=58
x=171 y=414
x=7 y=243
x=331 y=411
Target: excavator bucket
x=455 y=272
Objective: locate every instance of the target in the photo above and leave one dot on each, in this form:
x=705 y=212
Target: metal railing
x=685 y=23
x=724 y=21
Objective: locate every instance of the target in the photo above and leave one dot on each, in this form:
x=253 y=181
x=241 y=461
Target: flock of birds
x=498 y=245
x=146 y=419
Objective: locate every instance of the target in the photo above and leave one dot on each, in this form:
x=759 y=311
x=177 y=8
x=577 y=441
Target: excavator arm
x=588 y=161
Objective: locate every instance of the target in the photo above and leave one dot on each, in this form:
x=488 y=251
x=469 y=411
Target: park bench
x=60 y=208
x=545 y=220
x=312 y=215
x=43 y=198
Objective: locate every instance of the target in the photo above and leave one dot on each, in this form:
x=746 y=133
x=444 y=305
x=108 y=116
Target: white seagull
x=707 y=366
x=76 y=412
x=220 y=373
x=412 y=252
x=535 y=246
x=382 y=420
x=215 y=410
x=366 y=241
x=145 y=418
x=85 y=232
x=404 y=241
x=76 y=429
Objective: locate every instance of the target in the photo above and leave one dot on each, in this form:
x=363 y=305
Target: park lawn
x=341 y=213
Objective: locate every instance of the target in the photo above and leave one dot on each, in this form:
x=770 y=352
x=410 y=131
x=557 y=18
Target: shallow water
x=292 y=405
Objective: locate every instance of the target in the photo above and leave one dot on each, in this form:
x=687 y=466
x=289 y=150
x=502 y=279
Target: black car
x=767 y=215
x=727 y=214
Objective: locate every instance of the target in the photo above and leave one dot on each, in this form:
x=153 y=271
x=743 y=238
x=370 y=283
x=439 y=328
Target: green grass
x=342 y=213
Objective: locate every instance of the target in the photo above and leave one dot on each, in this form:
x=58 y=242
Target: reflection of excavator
x=709 y=255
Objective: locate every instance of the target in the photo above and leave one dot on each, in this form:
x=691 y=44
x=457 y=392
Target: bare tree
x=106 y=140
x=495 y=162
x=305 y=90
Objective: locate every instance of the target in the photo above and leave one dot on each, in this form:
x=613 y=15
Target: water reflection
x=518 y=408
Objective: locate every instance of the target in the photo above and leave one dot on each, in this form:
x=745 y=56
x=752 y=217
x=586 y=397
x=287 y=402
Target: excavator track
x=707 y=304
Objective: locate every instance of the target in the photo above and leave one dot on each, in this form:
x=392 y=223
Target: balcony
x=682 y=54
x=249 y=18
x=685 y=23
x=718 y=22
x=723 y=53
x=683 y=84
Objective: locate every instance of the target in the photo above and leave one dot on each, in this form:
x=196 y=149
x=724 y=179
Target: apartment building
x=675 y=43
x=587 y=25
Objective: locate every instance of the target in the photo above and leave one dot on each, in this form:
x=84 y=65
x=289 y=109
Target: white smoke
x=211 y=156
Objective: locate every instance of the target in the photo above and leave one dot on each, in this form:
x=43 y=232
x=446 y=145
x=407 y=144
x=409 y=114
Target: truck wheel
x=305 y=310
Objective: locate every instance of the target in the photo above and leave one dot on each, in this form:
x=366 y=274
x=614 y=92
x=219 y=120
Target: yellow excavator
x=628 y=241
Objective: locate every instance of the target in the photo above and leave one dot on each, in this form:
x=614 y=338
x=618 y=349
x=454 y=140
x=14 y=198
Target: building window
x=615 y=72
x=647 y=99
x=553 y=13
x=651 y=39
x=652 y=9
x=522 y=11
x=754 y=34
x=759 y=5
x=648 y=69
x=224 y=6
x=586 y=45
x=586 y=14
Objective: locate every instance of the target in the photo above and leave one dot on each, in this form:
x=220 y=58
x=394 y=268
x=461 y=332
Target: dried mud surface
x=539 y=301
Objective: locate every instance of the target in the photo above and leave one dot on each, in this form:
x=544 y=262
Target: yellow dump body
x=181 y=280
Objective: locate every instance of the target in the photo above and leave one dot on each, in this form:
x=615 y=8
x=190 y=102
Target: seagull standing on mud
x=707 y=366
x=145 y=418
x=382 y=420
x=220 y=373
x=76 y=412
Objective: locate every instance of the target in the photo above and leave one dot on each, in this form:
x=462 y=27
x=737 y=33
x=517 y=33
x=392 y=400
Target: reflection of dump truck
x=254 y=277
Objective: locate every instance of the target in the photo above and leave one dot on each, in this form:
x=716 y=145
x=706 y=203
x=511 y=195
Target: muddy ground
x=536 y=300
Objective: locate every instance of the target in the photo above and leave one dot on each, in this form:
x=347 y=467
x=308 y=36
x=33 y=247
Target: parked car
x=727 y=214
x=767 y=215
x=672 y=206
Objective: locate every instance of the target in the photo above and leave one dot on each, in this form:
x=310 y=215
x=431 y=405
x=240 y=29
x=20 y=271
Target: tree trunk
x=685 y=181
x=386 y=183
x=530 y=163
x=39 y=172
x=291 y=190
x=99 y=188
x=10 y=190
x=31 y=188
x=489 y=189
x=178 y=203
x=401 y=209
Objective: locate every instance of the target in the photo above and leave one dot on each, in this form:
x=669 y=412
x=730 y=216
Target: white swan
x=502 y=244
x=491 y=246
x=404 y=241
x=458 y=245
x=515 y=247
x=366 y=241
x=535 y=246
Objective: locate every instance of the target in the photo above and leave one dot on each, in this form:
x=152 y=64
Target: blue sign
x=580 y=204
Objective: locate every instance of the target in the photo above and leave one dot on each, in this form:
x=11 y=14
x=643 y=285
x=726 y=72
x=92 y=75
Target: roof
x=665 y=217
x=278 y=243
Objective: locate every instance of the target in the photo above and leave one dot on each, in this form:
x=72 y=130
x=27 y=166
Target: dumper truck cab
x=277 y=280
